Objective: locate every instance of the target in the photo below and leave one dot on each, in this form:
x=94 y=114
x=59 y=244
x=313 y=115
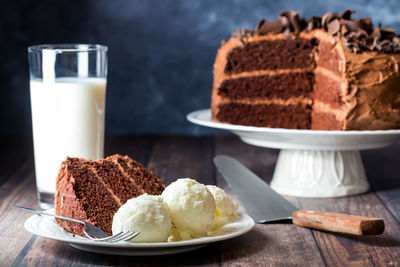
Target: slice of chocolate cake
x=93 y=191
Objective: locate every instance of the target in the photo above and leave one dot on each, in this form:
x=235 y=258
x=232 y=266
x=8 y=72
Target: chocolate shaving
x=357 y=35
x=295 y=23
x=347 y=14
x=343 y=30
x=313 y=23
x=364 y=24
x=334 y=26
x=269 y=26
x=387 y=33
x=286 y=25
x=376 y=34
x=242 y=33
x=327 y=18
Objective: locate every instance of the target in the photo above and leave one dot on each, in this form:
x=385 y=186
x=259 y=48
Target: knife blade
x=263 y=204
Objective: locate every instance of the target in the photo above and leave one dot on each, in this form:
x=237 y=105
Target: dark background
x=161 y=52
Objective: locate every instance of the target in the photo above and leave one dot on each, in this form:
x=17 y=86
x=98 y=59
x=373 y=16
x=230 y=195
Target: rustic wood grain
x=339 y=250
x=338 y=222
x=268 y=244
x=391 y=200
x=46 y=252
x=20 y=189
x=174 y=156
x=182 y=156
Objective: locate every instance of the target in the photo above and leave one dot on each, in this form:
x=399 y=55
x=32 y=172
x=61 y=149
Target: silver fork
x=91 y=231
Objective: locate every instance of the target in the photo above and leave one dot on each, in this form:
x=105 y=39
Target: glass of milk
x=68 y=88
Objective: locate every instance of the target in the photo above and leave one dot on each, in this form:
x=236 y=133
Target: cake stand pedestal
x=311 y=163
x=316 y=173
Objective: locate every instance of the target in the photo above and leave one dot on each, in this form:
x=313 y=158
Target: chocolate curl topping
x=347 y=14
x=296 y=24
x=357 y=35
x=328 y=18
x=334 y=26
x=386 y=33
x=288 y=22
x=364 y=24
x=241 y=33
x=269 y=26
x=314 y=23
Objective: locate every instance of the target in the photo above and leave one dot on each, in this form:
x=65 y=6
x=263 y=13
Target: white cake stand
x=311 y=163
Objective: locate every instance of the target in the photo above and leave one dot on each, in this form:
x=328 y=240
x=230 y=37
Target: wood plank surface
x=339 y=250
x=19 y=189
x=172 y=157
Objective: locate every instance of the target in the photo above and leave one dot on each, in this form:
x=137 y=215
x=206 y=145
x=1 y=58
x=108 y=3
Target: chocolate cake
x=93 y=191
x=330 y=73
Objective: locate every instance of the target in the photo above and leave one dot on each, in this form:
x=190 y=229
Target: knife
x=263 y=204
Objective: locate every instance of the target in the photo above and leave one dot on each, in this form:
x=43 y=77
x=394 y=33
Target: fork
x=91 y=231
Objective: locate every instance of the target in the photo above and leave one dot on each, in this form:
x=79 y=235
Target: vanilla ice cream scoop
x=191 y=207
x=226 y=208
x=146 y=214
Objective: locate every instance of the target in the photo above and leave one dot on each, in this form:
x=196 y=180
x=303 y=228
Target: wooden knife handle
x=339 y=222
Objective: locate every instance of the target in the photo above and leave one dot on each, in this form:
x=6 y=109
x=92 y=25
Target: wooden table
x=172 y=157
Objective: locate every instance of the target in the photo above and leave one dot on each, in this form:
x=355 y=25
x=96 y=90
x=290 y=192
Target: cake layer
x=330 y=58
x=282 y=86
x=267 y=54
x=82 y=196
x=325 y=121
x=265 y=115
x=119 y=184
x=328 y=90
x=145 y=180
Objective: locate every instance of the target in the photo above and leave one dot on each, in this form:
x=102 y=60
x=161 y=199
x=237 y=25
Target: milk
x=67 y=120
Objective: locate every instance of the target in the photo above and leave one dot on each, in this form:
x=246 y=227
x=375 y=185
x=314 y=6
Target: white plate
x=47 y=227
x=301 y=139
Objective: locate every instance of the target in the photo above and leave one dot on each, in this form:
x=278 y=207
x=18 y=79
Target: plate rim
x=193 y=117
x=136 y=252
x=243 y=217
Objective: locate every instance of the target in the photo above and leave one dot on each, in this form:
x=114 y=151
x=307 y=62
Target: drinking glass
x=68 y=89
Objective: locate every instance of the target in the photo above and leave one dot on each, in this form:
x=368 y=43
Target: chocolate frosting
x=373 y=78
x=357 y=35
